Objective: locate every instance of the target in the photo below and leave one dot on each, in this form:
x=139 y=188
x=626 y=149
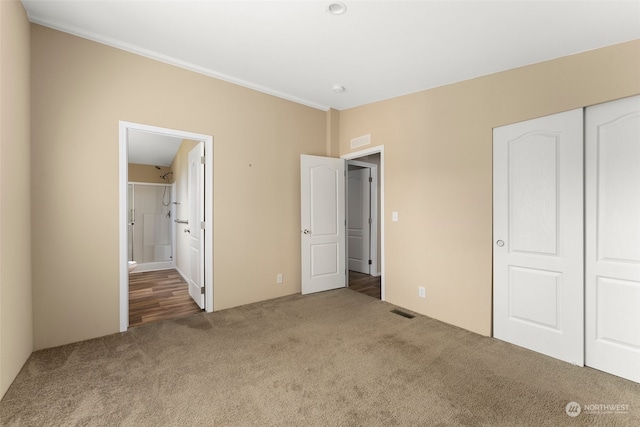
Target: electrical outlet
x=422 y=293
x=279 y=278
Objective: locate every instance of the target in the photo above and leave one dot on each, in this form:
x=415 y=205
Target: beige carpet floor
x=338 y=358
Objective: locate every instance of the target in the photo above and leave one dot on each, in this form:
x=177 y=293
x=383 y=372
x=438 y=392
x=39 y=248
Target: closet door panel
x=612 y=279
x=538 y=235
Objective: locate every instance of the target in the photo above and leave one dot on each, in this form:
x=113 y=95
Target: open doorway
x=365 y=231
x=152 y=151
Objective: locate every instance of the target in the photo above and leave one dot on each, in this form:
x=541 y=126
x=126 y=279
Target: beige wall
x=437 y=170
x=438 y=166
x=16 y=327
x=333 y=133
x=180 y=168
x=81 y=90
x=147 y=173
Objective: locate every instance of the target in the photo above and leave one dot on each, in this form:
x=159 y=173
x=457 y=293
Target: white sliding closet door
x=538 y=235
x=613 y=237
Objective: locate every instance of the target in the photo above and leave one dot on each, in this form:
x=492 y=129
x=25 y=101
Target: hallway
x=365 y=284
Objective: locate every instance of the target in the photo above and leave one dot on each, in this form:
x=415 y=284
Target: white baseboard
x=153 y=266
x=184 y=276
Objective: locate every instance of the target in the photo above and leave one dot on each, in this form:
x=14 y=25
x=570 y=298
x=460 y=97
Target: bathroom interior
x=157 y=226
x=151 y=213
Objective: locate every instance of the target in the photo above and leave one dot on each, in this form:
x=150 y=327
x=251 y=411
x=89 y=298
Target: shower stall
x=151 y=232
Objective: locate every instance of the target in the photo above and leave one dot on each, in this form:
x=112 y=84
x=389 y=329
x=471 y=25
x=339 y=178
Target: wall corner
x=333 y=133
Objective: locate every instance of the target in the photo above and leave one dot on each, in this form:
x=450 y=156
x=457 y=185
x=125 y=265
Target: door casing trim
x=124 y=128
x=354 y=156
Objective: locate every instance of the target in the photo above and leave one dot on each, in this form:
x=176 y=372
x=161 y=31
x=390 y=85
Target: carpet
x=336 y=358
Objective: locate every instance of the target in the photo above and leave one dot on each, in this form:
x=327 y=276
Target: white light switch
x=394 y=216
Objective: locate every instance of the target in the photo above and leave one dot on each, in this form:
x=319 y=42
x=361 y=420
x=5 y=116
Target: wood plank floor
x=158 y=295
x=365 y=284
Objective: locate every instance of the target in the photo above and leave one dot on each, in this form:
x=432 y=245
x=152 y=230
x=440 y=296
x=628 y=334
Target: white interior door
x=196 y=224
x=359 y=219
x=613 y=237
x=538 y=235
x=322 y=183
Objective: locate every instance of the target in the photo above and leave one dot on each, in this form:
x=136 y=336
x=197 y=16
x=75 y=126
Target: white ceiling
x=376 y=50
x=147 y=148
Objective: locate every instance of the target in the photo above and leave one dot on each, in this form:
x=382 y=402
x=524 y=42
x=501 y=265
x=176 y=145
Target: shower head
x=165 y=174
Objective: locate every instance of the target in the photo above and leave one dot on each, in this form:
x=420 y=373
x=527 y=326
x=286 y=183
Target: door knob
x=305 y=231
x=500 y=243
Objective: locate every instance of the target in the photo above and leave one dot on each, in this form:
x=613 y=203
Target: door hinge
x=370 y=179
x=370 y=221
x=370 y=262
x=202 y=225
x=202 y=290
x=202 y=160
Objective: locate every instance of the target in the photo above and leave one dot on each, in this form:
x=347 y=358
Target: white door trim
x=124 y=128
x=353 y=156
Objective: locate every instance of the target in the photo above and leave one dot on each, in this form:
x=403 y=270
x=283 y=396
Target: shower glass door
x=150 y=226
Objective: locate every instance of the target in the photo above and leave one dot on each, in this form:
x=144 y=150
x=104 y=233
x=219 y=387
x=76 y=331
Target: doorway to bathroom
x=162 y=195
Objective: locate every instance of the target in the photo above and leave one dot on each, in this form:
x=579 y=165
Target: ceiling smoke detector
x=339 y=88
x=337 y=8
